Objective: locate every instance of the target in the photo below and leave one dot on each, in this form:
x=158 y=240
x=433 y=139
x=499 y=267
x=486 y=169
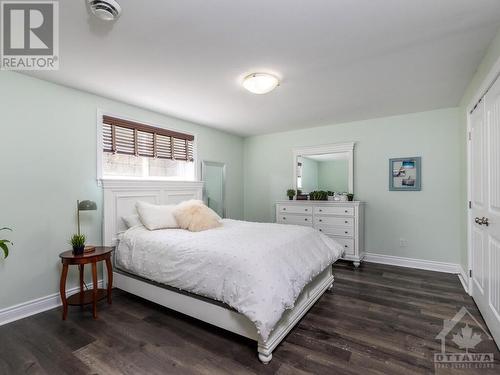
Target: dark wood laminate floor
x=377 y=319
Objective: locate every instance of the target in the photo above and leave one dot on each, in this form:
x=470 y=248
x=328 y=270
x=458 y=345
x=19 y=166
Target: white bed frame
x=120 y=197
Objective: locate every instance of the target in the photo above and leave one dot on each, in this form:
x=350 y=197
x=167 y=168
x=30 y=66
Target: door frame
x=489 y=79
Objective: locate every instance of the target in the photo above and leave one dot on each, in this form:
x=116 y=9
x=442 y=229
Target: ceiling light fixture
x=260 y=83
x=106 y=10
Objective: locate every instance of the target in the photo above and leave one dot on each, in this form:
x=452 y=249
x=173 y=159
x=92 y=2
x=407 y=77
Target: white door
x=485 y=208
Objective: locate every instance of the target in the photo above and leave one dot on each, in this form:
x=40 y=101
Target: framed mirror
x=213 y=174
x=326 y=167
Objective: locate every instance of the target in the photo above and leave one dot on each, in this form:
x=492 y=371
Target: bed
x=253 y=279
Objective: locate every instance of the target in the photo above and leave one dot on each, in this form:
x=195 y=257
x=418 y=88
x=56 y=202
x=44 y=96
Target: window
x=132 y=149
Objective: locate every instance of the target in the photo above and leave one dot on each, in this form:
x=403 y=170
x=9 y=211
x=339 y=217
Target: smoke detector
x=106 y=10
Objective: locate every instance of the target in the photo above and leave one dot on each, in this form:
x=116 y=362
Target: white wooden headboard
x=120 y=197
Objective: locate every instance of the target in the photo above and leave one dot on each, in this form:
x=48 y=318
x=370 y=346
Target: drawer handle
x=346 y=232
x=320 y=220
x=346 y=246
x=284 y=218
x=305 y=219
x=346 y=221
x=306 y=209
x=345 y=211
x=320 y=210
x=284 y=208
x=321 y=230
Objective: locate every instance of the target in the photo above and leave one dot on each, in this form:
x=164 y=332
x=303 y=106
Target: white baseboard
x=429 y=265
x=35 y=306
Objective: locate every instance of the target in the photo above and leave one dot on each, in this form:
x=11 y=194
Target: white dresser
x=342 y=221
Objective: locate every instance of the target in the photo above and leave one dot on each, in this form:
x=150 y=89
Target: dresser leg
x=356 y=264
x=94 y=290
x=62 y=290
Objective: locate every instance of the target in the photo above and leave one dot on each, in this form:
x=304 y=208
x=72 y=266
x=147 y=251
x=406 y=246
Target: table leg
x=110 y=278
x=62 y=290
x=94 y=291
x=81 y=268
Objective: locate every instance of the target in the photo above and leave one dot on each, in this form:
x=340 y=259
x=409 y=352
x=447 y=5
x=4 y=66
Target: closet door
x=485 y=195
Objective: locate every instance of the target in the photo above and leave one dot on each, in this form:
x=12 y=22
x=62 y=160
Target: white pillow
x=194 y=216
x=154 y=216
x=132 y=220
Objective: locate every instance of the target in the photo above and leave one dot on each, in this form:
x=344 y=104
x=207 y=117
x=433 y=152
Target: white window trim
x=99 y=174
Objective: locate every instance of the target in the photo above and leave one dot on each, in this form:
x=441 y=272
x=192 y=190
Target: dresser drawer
x=336 y=231
x=333 y=221
x=342 y=211
x=347 y=244
x=295 y=219
x=294 y=209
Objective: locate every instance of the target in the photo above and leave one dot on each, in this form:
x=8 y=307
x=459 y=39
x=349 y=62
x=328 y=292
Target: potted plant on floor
x=290 y=193
x=78 y=243
x=4 y=244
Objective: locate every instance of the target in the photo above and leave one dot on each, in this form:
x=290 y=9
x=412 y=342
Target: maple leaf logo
x=467 y=339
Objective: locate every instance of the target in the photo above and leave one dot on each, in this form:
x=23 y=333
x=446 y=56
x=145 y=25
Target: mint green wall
x=48 y=161
x=487 y=64
x=309 y=175
x=333 y=175
x=430 y=219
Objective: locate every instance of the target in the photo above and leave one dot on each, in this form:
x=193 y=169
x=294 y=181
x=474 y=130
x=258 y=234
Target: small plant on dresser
x=290 y=193
x=4 y=244
x=318 y=195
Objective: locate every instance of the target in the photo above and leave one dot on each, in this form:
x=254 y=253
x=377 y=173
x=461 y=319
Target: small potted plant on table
x=78 y=243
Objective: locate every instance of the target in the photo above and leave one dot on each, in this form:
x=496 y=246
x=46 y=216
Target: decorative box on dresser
x=342 y=221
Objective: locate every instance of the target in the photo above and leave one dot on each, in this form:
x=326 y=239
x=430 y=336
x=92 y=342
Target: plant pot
x=290 y=198
x=350 y=197
x=78 y=250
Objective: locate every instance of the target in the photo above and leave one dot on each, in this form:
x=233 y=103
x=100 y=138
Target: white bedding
x=259 y=269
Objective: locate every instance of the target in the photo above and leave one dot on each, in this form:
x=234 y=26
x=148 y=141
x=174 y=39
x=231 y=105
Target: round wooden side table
x=85 y=297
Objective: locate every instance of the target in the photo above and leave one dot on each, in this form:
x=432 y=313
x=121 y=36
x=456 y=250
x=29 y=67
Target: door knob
x=482 y=221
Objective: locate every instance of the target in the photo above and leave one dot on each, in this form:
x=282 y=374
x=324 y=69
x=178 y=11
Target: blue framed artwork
x=405 y=174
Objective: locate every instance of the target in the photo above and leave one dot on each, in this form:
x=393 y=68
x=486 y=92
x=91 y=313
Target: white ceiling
x=340 y=60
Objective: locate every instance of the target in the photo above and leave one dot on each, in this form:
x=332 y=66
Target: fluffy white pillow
x=194 y=216
x=131 y=220
x=154 y=216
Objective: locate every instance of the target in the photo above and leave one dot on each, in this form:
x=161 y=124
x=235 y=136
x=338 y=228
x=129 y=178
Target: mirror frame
x=204 y=165
x=347 y=147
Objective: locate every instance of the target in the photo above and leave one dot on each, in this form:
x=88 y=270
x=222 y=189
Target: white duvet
x=259 y=269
